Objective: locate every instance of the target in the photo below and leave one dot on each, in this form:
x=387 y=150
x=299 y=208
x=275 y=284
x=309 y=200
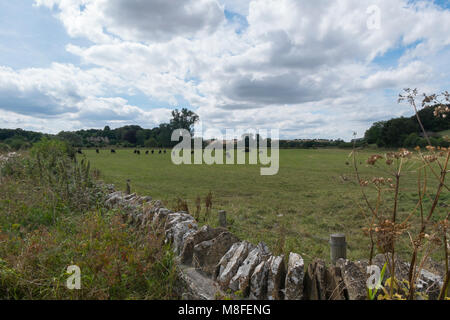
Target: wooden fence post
x=128 y=187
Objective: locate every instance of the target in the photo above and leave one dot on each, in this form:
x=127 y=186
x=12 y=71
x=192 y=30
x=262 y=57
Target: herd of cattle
x=136 y=151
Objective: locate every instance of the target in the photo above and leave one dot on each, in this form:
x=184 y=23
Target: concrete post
x=222 y=218
x=338 y=247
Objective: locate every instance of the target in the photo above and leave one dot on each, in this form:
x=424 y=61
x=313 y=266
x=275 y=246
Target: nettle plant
x=426 y=226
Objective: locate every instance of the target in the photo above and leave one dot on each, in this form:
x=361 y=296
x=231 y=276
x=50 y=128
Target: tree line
x=394 y=133
x=126 y=136
x=405 y=132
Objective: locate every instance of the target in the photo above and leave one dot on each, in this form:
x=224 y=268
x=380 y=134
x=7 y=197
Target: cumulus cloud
x=137 y=20
x=70 y=93
x=143 y=20
x=309 y=68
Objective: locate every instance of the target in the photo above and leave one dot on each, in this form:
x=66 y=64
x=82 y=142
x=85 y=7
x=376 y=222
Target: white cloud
x=306 y=67
x=137 y=20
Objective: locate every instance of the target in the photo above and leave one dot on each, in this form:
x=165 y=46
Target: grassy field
x=314 y=194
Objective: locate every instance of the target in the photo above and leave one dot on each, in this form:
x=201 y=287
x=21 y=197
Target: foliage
x=407 y=132
x=127 y=136
x=184 y=119
x=372 y=293
x=53 y=216
x=428 y=232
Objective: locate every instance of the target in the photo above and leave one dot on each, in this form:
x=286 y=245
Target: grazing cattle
x=96 y=150
x=113 y=151
x=160 y=152
x=153 y=151
x=135 y=151
x=146 y=152
x=79 y=151
x=165 y=151
x=138 y=152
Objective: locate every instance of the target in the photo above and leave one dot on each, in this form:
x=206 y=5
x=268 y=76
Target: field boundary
x=215 y=264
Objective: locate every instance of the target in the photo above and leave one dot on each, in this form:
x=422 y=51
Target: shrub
x=4 y=148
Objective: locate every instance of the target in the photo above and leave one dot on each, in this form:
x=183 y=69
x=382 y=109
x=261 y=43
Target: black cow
x=165 y=151
x=153 y=151
x=146 y=152
x=160 y=152
x=96 y=150
x=113 y=151
x=79 y=151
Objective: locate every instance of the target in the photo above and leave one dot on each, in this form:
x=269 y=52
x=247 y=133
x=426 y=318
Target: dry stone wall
x=214 y=263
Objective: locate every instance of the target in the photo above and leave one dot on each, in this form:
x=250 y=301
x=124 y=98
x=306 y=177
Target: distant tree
x=164 y=137
x=130 y=136
x=71 y=138
x=184 y=119
x=411 y=141
x=374 y=133
x=151 y=143
x=140 y=137
x=396 y=130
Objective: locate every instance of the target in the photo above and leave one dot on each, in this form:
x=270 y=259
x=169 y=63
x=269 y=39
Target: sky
x=312 y=69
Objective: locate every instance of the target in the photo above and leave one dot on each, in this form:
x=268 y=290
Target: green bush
x=52 y=149
x=4 y=147
x=17 y=143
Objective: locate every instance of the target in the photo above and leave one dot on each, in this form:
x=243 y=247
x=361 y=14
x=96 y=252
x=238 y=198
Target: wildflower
x=373 y=159
x=404 y=153
x=430 y=158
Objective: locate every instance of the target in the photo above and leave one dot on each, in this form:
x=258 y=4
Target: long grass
x=43 y=230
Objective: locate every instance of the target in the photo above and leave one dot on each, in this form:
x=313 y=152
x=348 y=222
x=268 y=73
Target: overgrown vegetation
x=426 y=225
x=52 y=216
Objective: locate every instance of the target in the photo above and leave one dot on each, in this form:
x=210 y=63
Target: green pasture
x=314 y=194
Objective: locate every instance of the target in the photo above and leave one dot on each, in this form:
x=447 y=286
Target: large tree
x=184 y=119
